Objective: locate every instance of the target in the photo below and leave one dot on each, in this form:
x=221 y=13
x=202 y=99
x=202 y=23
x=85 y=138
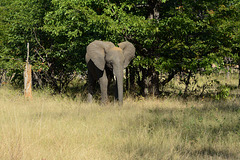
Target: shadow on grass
x=213 y=153
x=208 y=126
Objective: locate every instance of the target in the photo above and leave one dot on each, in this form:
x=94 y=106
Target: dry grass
x=56 y=128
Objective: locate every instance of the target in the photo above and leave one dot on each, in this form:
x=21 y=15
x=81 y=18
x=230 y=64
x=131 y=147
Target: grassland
x=56 y=128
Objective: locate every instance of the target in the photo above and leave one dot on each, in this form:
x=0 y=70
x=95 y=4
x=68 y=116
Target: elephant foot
x=89 y=98
x=116 y=101
x=104 y=102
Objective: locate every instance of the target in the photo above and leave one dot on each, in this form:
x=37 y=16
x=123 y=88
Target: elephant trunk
x=119 y=86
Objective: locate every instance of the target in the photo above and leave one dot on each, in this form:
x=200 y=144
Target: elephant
x=104 y=61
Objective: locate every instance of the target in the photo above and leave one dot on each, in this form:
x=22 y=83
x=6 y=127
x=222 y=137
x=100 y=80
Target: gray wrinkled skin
x=105 y=60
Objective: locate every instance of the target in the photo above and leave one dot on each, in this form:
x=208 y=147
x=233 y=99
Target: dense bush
x=171 y=38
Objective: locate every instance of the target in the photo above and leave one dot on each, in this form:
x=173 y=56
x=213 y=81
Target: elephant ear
x=96 y=52
x=128 y=51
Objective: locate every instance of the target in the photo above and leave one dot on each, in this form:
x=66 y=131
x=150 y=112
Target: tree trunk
x=132 y=79
x=141 y=81
x=239 y=74
x=37 y=81
x=127 y=80
x=168 y=79
x=153 y=86
x=153 y=9
x=187 y=82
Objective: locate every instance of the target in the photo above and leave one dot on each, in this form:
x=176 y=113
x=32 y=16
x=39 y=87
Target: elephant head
x=106 y=55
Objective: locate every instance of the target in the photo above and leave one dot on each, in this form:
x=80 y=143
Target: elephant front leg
x=103 y=81
x=91 y=86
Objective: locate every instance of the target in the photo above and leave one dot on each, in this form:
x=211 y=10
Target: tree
x=184 y=37
x=171 y=37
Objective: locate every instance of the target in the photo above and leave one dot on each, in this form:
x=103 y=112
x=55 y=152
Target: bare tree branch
x=38 y=40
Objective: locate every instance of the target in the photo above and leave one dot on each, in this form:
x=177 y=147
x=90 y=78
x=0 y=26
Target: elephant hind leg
x=103 y=81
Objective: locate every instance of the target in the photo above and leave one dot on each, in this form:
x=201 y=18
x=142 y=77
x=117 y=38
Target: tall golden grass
x=56 y=128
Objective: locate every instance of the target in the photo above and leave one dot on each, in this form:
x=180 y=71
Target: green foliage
x=169 y=36
x=223 y=93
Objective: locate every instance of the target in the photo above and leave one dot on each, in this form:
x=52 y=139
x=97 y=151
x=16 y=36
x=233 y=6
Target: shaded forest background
x=182 y=39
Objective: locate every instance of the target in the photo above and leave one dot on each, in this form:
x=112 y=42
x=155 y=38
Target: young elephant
x=104 y=60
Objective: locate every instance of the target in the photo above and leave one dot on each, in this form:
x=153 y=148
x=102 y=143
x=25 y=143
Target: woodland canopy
x=171 y=38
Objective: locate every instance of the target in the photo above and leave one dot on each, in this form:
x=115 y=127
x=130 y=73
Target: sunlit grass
x=207 y=86
x=53 y=127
